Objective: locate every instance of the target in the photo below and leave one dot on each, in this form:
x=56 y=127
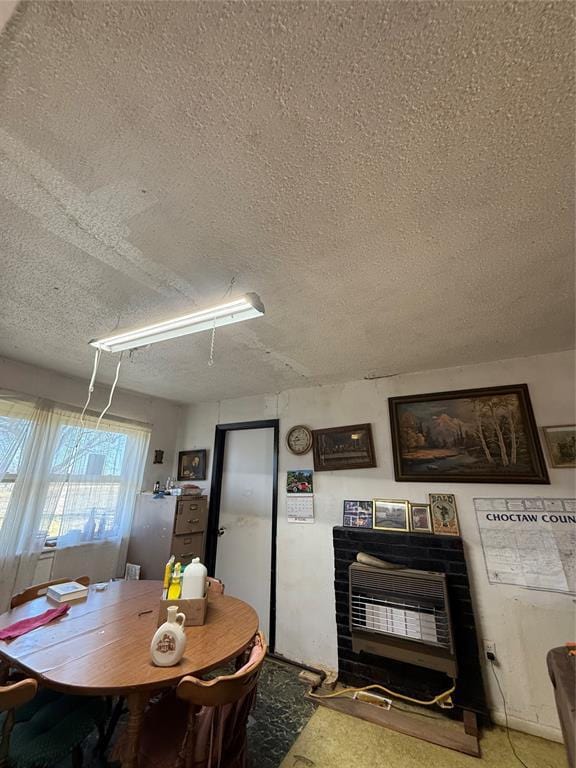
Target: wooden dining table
x=102 y=646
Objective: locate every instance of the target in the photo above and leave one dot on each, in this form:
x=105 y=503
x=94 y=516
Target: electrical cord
x=512 y=747
x=442 y=698
x=111 y=391
x=91 y=385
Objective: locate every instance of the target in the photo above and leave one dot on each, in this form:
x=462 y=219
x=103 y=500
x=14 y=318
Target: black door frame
x=216 y=495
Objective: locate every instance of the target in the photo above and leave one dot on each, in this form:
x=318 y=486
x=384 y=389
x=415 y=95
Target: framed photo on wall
x=357 y=514
x=467 y=436
x=420 y=519
x=299 y=481
x=561 y=444
x=444 y=514
x=390 y=515
x=343 y=448
x=192 y=465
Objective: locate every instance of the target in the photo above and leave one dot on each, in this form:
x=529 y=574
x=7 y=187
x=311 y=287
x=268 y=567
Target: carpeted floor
x=333 y=740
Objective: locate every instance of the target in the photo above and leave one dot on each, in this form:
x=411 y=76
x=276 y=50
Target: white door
x=243 y=556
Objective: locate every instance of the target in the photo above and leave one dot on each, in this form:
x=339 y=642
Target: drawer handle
x=193 y=506
x=195 y=520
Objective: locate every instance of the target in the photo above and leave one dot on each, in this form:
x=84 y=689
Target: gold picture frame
x=390 y=515
x=423 y=520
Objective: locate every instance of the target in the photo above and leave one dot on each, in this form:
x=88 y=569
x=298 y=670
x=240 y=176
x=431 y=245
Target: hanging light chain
x=211 y=358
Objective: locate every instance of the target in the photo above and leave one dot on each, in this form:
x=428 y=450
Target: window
x=85 y=485
x=82 y=480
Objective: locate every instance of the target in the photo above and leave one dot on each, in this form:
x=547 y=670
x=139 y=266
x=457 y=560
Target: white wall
x=524 y=624
x=162 y=415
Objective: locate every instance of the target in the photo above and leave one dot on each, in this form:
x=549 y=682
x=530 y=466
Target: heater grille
x=407 y=619
x=402 y=614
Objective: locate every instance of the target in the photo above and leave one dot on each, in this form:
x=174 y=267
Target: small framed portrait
x=444 y=515
x=561 y=444
x=390 y=515
x=420 y=520
x=192 y=465
x=357 y=514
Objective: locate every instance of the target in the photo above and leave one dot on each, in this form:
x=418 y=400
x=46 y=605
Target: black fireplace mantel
x=427 y=552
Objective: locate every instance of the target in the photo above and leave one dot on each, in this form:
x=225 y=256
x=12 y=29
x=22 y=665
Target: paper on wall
x=529 y=542
x=300 y=509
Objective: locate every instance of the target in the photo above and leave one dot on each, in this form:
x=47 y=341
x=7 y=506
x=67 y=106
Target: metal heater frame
x=403 y=593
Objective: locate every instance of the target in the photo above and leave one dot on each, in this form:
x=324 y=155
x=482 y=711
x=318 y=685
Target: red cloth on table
x=27 y=625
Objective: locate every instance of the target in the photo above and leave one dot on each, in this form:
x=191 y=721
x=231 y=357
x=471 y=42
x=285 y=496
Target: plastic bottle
x=194 y=580
x=175 y=587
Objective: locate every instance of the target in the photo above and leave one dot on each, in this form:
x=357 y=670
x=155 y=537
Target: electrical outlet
x=490 y=650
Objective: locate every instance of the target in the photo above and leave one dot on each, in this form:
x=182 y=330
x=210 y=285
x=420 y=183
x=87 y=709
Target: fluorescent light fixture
x=244 y=308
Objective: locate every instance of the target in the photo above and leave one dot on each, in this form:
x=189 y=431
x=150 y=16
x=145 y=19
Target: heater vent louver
x=402 y=614
x=398 y=583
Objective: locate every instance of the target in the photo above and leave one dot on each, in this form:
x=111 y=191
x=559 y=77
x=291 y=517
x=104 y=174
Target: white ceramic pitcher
x=169 y=641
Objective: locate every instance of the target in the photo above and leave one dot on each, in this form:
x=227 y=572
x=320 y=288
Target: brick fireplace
x=425 y=552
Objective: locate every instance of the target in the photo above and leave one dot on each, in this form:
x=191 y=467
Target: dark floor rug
x=281 y=712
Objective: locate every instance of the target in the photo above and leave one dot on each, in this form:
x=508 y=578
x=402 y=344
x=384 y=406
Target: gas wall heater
x=402 y=615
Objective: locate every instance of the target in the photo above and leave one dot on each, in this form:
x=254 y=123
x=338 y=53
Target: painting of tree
x=483 y=435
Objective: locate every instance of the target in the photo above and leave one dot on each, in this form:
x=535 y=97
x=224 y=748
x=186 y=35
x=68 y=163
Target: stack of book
x=66 y=592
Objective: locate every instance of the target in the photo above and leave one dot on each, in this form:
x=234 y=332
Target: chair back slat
x=37 y=590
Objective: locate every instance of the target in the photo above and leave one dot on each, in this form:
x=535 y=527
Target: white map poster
x=529 y=542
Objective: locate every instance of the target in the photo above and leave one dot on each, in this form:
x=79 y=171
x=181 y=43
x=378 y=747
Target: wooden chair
x=215 y=586
x=12 y=697
x=38 y=590
x=40 y=728
x=203 y=723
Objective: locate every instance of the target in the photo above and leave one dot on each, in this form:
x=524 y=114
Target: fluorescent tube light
x=245 y=308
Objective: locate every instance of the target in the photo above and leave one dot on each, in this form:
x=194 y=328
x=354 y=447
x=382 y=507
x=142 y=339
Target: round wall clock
x=299 y=440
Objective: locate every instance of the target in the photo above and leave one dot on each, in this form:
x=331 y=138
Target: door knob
x=221 y=531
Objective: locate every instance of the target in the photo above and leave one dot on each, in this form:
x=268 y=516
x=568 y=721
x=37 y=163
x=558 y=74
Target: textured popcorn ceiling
x=395 y=180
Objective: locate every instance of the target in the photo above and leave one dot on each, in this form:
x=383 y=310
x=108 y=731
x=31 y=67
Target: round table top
x=102 y=645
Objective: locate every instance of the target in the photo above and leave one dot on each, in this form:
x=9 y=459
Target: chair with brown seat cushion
x=38 y=590
x=203 y=723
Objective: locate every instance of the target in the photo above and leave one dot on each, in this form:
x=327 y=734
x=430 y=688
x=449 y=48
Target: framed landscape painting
x=391 y=515
x=467 y=436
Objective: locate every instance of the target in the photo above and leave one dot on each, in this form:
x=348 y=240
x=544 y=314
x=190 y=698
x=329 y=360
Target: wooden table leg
x=136 y=706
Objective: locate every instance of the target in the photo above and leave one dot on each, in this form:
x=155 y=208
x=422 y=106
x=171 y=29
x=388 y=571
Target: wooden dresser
x=173 y=525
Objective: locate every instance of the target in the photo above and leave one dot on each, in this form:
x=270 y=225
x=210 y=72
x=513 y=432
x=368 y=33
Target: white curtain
x=67 y=482
x=26 y=435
